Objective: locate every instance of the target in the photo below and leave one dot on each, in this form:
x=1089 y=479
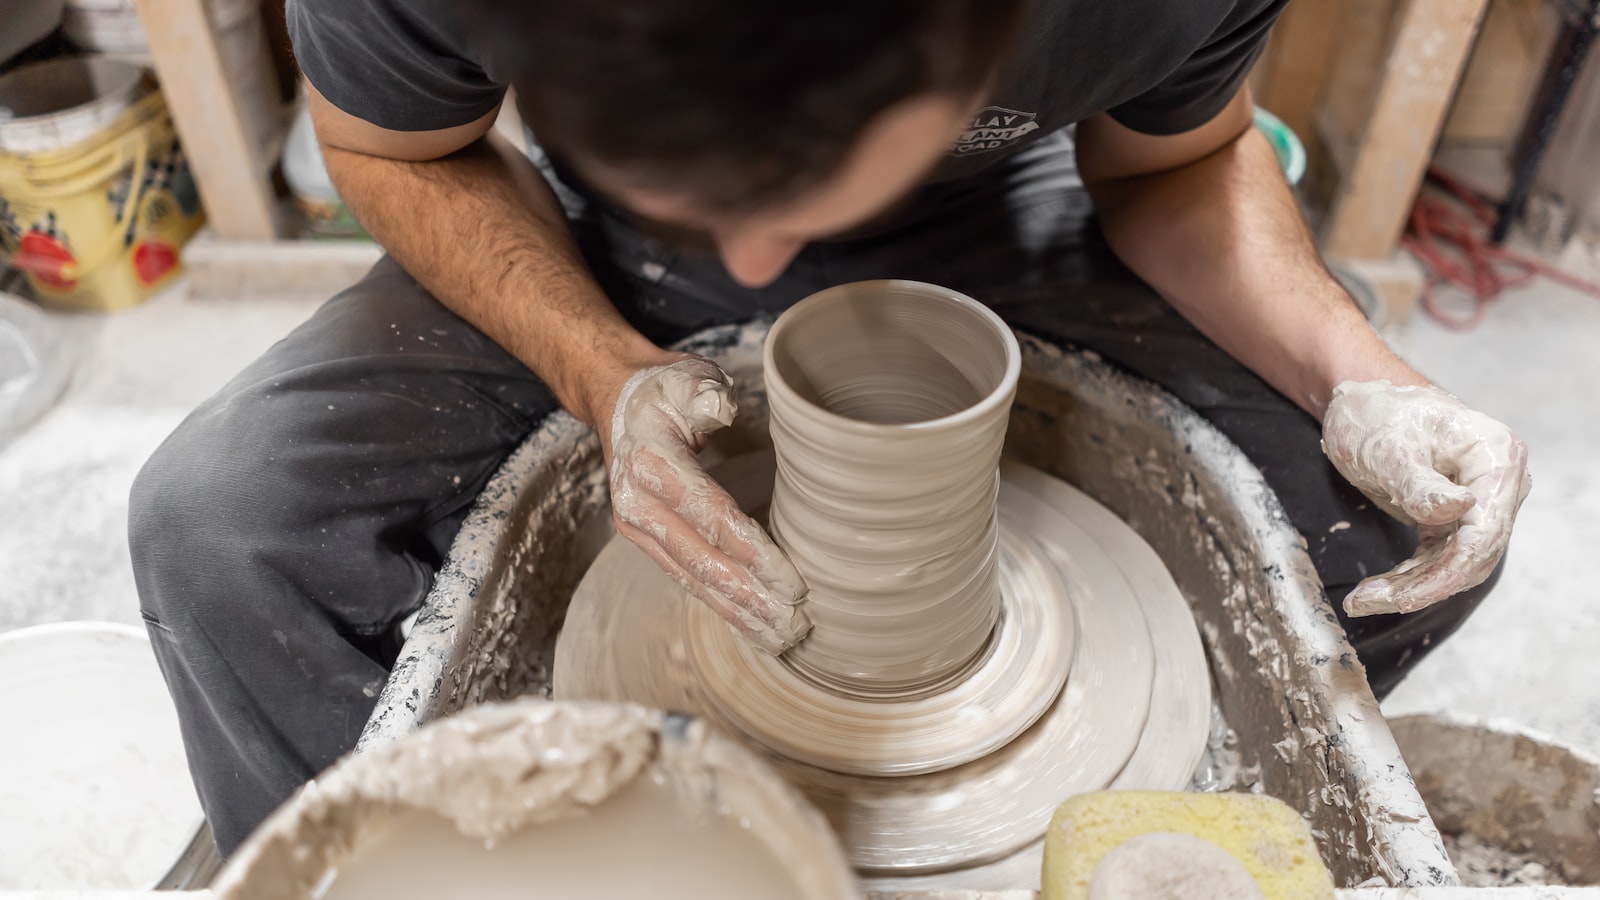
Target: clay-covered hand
x=1430 y=461
x=667 y=504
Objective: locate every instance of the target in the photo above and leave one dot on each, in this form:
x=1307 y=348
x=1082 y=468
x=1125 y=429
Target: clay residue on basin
x=1522 y=808
x=1482 y=864
x=545 y=777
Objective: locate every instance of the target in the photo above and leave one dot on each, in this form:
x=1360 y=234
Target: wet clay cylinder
x=889 y=402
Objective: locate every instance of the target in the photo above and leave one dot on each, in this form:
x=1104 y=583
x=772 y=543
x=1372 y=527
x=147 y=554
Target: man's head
x=761 y=125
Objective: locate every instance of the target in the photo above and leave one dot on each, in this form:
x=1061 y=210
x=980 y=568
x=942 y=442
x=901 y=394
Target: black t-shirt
x=1156 y=66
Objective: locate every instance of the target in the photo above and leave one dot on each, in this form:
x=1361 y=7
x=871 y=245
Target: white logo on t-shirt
x=992 y=128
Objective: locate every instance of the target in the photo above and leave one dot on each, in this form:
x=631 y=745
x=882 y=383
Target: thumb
x=710 y=407
x=1429 y=498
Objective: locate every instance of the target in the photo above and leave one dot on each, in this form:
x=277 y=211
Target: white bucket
x=49 y=105
x=94 y=788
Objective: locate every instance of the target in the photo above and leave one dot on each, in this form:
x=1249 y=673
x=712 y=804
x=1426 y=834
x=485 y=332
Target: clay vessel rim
x=1002 y=395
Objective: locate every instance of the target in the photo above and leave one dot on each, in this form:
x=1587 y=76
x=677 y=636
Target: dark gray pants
x=282 y=532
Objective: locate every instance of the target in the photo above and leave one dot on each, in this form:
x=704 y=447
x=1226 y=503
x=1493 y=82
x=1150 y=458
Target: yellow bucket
x=99 y=223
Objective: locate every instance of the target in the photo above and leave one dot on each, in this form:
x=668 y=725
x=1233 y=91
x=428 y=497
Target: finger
x=1449 y=562
x=1429 y=498
x=677 y=479
x=1455 y=559
x=1396 y=591
x=1370 y=598
x=1499 y=477
x=690 y=551
x=1468 y=554
x=774 y=629
x=703 y=396
x=745 y=540
x=714 y=513
x=1440 y=578
x=684 y=543
x=1375 y=595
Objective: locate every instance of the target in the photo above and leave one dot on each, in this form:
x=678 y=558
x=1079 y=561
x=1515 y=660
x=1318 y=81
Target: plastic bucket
x=1285 y=143
x=96 y=198
x=53 y=104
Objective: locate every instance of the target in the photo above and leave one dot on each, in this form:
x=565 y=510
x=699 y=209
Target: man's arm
x=475 y=223
x=1206 y=218
x=472 y=220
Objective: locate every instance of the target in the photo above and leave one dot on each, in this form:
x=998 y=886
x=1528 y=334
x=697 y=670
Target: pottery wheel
x=945 y=779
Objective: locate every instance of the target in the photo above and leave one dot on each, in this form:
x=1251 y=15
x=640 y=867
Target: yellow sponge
x=1158 y=858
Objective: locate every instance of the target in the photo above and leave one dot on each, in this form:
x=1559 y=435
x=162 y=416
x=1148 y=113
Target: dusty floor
x=1528 y=655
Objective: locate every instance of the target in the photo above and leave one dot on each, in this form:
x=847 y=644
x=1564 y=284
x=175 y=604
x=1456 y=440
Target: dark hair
x=741 y=102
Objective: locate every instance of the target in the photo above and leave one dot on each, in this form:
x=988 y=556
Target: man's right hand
x=665 y=502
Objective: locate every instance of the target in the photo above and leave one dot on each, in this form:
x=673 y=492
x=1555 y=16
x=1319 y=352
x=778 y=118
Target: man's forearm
x=1222 y=240
x=482 y=231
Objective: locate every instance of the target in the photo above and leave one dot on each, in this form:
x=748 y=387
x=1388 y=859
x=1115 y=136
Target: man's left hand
x=1430 y=461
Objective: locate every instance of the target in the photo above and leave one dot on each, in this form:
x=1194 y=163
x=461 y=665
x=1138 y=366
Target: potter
x=704 y=162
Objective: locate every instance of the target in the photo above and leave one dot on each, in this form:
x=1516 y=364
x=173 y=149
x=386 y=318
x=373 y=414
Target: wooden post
x=230 y=161
x=1431 y=41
